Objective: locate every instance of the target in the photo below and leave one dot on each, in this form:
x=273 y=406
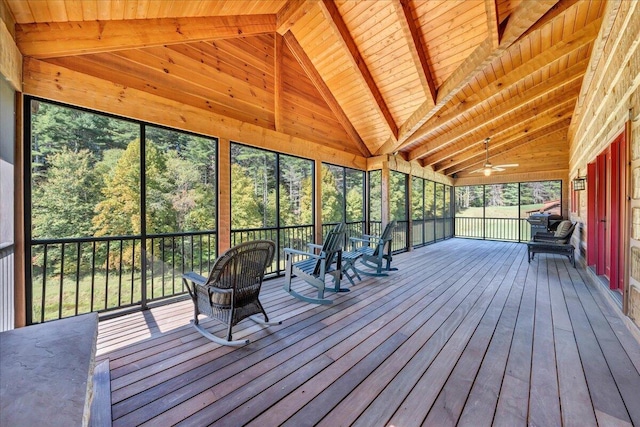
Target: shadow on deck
x=466 y=332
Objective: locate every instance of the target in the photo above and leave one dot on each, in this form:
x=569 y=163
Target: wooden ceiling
x=426 y=79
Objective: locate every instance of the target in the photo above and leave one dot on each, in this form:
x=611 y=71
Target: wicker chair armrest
x=195 y=278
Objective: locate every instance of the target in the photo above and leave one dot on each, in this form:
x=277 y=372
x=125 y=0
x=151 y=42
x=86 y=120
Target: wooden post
x=317 y=214
x=224 y=195
x=386 y=184
x=409 y=211
x=20 y=287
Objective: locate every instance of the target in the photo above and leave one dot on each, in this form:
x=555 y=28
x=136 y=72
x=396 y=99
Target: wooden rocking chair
x=230 y=294
x=314 y=267
x=375 y=251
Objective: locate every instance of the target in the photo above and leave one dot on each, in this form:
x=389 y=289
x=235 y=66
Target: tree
x=119 y=212
x=246 y=211
x=332 y=198
x=63 y=202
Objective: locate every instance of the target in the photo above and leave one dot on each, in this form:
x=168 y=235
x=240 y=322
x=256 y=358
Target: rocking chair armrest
x=291 y=251
x=314 y=247
x=371 y=239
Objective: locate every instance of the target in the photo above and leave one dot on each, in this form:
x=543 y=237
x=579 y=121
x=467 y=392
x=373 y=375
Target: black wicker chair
x=230 y=294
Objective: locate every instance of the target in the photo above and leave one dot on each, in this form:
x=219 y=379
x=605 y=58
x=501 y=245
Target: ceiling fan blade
x=510 y=165
x=498 y=168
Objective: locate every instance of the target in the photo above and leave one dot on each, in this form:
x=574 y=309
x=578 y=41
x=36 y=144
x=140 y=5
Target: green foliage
x=332 y=197
x=66 y=197
x=306 y=201
x=355 y=206
x=375 y=195
x=246 y=211
x=398 y=196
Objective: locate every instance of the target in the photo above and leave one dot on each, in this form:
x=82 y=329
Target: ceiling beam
x=549 y=56
x=535 y=129
x=516 y=120
x=324 y=90
x=493 y=26
x=290 y=13
x=277 y=82
x=568 y=80
x=55 y=39
x=550 y=154
x=332 y=14
x=418 y=50
x=524 y=16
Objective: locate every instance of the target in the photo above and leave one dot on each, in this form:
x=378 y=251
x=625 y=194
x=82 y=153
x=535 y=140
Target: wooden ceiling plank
x=326 y=94
x=535 y=129
x=529 y=146
x=331 y=13
x=540 y=115
x=418 y=51
x=571 y=77
x=473 y=158
x=75 y=38
x=525 y=15
x=577 y=40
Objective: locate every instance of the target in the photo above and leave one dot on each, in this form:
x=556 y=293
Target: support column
x=317 y=214
x=409 y=211
x=386 y=194
x=20 y=287
x=224 y=195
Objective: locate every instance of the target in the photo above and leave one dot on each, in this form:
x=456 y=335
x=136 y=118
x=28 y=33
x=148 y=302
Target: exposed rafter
x=525 y=15
x=83 y=37
x=474 y=157
x=572 y=43
x=543 y=113
x=418 y=51
x=493 y=26
x=568 y=80
x=316 y=79
x=277 y=86
x=330 y=10
x=290 y=13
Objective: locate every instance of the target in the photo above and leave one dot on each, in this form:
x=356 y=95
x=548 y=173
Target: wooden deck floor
x=465 y=333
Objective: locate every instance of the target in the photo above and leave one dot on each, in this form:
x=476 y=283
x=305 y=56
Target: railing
x=7 y=296
x=353 y=229
x=295 y=237
x=508 y=229
x=80 y=275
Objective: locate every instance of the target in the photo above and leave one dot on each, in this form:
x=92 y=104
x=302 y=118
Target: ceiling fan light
x=487 y=171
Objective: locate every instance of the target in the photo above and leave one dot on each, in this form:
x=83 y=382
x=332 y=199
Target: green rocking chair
x=315 y=266
x=376 y=252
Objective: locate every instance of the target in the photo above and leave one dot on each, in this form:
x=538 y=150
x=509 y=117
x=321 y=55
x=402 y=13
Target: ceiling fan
x=487 y=168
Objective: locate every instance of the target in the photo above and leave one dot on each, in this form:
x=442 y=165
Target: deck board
x=465 y=333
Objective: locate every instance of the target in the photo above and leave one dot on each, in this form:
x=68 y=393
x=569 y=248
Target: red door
x=606 y=212
x=601 y=213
